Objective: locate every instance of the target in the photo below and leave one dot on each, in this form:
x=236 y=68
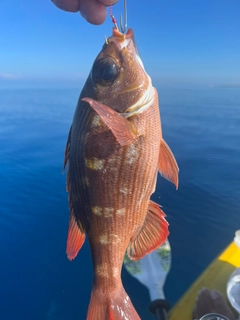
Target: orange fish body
x=114 y=152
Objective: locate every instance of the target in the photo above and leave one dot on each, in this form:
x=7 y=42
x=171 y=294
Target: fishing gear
x=123 y=28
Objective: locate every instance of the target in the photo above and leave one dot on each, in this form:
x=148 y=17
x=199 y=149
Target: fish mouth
x=118 y=34
x=122 y=40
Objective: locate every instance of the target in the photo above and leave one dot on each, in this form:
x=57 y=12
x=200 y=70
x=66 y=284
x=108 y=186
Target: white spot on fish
x=94 y=163
x=113 y=162
x=132 y=154
x=121 y=212
x=116 y=271
x=102 y=270
x=124 y=190
x=97 y=210
x=109 y=238
x=104 y=239
x=108 y=212
x=96 y=122
x=105 y=212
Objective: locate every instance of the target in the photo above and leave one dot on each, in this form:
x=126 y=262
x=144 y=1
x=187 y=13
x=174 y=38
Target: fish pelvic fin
x=121 y=128
x=154 y=232
x=112 y=306
x=167 y=164
x=76 y=238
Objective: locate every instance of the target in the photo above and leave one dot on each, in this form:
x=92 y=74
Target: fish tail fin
x=112 y=306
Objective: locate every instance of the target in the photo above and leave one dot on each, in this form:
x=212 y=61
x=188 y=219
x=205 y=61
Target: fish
x=114 y=152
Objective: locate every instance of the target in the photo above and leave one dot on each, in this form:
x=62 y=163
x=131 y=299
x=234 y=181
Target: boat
x=152 y=271
x=215 y=276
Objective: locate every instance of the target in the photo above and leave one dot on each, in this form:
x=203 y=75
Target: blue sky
x=179 y=41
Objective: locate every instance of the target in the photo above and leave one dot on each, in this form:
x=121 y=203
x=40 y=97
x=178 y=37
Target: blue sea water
x=202 y=127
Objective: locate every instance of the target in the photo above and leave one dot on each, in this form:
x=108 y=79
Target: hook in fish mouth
x=121 y=39
x=117 y=33
x=122 y=28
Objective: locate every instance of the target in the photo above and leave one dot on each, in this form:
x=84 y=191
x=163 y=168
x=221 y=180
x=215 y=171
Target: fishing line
x=114 y=21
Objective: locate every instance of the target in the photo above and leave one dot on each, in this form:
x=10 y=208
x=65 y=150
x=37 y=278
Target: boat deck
x=214 y=277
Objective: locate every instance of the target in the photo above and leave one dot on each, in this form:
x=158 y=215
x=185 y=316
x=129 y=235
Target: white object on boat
x=152 y=270
x=233 y=289
x=237 y=238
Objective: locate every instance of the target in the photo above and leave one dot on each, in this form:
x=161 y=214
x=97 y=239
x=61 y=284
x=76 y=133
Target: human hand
x=94 y=11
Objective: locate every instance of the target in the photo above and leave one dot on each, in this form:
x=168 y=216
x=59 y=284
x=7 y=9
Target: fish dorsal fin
x=67 y=149
x=154 y=232
x=76 y=238
x=167 y=164
x=121 y=128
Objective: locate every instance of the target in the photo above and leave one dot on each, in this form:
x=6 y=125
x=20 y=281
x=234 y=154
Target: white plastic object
x=152 y=270
x=233 y=289
x=237 y=238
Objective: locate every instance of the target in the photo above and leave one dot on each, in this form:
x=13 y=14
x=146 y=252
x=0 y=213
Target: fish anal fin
x=154 y=232
x=167 y=164
x=112 y=306
x=122 y=129
x=76 y=238
x=67 y=150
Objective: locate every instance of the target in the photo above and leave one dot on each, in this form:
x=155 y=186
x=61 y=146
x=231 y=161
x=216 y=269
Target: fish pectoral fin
x=67 y=150
x=122 y=129
x=76 y=238
x=154 y=232
x=167 y=164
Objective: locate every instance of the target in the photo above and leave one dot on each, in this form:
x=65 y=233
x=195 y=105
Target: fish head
x=118 y=77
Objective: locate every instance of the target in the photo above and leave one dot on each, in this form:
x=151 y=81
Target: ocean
x=202 y=127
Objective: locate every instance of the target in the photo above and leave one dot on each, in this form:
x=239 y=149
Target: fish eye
x=104 y=71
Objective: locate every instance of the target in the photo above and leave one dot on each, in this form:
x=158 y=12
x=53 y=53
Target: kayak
x=152 y=271
x=215 y=276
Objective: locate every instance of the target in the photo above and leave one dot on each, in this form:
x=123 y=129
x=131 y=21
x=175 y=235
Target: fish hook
x=124 y=28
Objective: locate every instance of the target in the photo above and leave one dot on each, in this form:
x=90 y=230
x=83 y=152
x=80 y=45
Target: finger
x=67 y=5
x=202 y=305
x=108 y=2
x=93 y=11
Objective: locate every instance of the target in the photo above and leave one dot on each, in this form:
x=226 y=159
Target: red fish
x=114 y=151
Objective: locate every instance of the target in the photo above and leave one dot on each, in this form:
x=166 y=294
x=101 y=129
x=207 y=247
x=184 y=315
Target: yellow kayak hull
x=214 y=277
